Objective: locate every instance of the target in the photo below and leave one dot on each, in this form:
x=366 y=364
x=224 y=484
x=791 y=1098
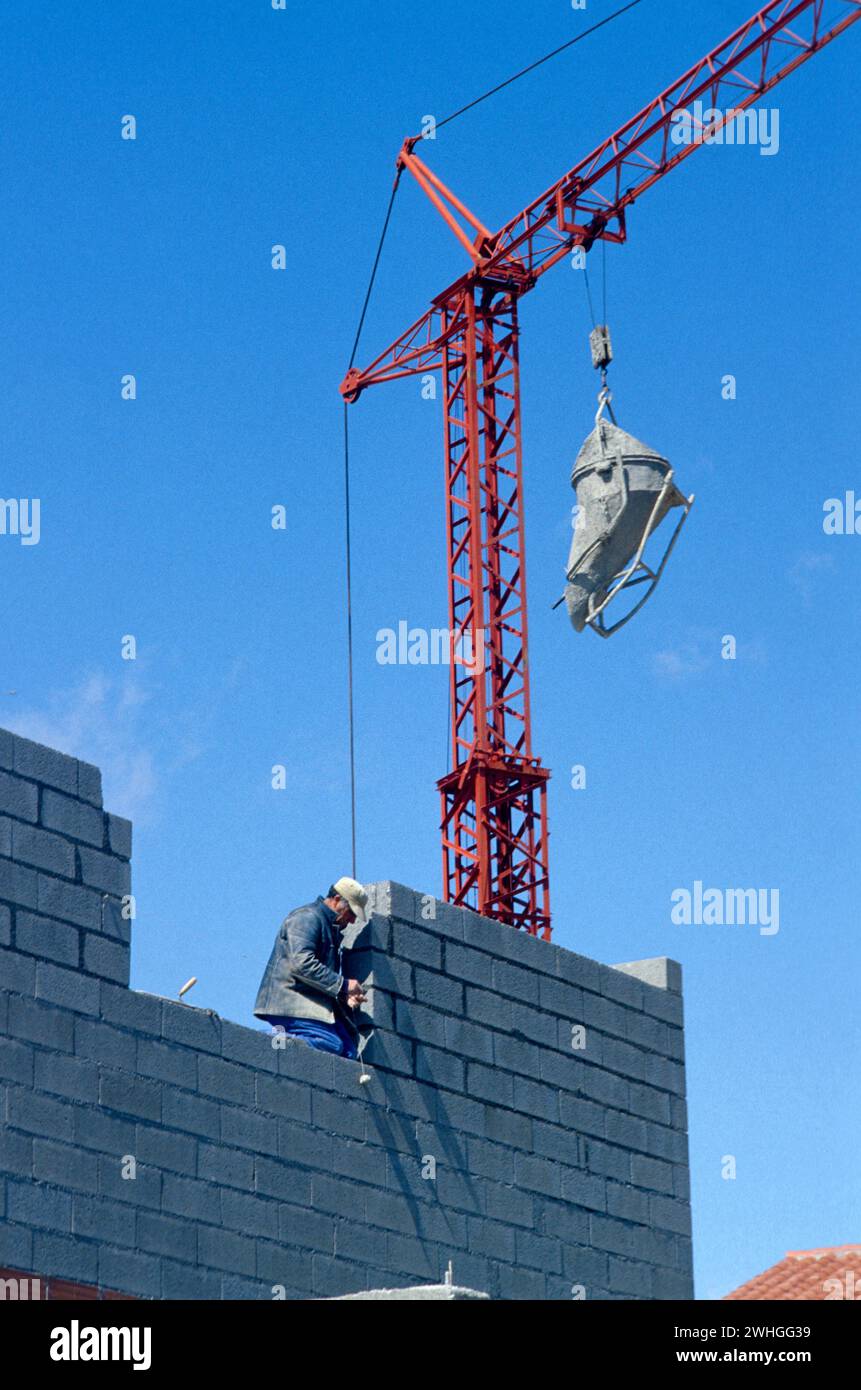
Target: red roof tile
x=834 y=1272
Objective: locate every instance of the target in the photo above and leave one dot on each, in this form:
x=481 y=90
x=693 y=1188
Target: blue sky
x=152 y=257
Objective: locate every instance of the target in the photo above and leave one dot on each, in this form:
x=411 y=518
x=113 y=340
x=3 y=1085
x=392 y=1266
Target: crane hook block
x=624 y=491
x=602 y=348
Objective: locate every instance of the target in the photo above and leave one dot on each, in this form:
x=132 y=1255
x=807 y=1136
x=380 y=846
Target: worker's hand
x=355 y=994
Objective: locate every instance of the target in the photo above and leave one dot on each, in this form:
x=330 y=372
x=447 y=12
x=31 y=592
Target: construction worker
x=304 y=992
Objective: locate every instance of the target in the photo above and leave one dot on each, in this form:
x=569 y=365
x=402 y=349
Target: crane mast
x=494 y=799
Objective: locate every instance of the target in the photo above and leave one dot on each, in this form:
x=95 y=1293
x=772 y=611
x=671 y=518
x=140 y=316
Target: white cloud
x=100 y=721
x=679 y=662
x=804 y=573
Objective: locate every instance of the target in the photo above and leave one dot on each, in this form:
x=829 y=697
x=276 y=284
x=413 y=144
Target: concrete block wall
x=151 y=1148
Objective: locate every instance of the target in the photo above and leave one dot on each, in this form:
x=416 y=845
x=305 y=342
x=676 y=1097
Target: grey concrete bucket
x=624 y=491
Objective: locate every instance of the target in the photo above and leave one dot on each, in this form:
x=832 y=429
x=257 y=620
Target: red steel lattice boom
x=494 y=800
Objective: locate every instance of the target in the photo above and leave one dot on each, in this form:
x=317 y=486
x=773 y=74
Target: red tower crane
x=494 y=799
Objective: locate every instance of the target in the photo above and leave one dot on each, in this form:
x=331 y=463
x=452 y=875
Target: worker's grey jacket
x=304 y=977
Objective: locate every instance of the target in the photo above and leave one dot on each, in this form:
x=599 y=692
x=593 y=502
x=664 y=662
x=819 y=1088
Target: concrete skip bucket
x=624 y=491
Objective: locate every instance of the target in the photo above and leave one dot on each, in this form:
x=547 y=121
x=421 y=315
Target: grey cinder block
x=16 y=1152
x=307 y=1228
x=198 y=1028
x=630 y=1277
x=42 y=850
x=533 y=1098
x=411 y=1256
x=66 y=1075
x=485 y=1007
x=227 y=1081
x=417 y=946
x=493 y=1239
x=106 y=1134
x=18 y=798
x=622 y=1057
x=286 y=1266
x=466 y=964
x=627 y=1203
x=178 y=1153
x=516 y=983
x=120 y=836
x=606 y=1159
x=65 y=1166
x=651 y=1173
x=391 y=1053
x=658 y=971
x=112 y=1223
x=182 y=1281
x=416 y=1021
x=114 y=921
x=517 y=1282
x=248 y=1130
x=665 y=1074
x=511 y=1053
x=438 y=991
x=105 y=871
x=39 y=1205
x=307 y=1145
x=18 y=884
x=336 y=1114
x=144 y=1189
x=584 y=1189
x=512 y=1205
x=47 y=938
x=89 y=784
x=355 y=1241
x=556 y=1142
x=538 y=1175
x=132 y=1009
x=39 y=1114
x=73 y=991
x=187 y=1197
x=70 y=902
x=164 y=1061
x=37 y=1022
x=250 y=1046
x=648 y=1102
x=7 y=749
x=254 y=1213
x=46 y=765
x=668 y=1213
x=110 y=960
x=441 y=1069
x=16 y=1061
x=129 y=1095
x=490 y=1085
x=195 y=1115
x=468 y=1039
x=73 y=818
x=16 y=1247
x=130 y=1271
x=539 y=1252
x=100 y=1042
x=277 y=1095
x=65 y=1257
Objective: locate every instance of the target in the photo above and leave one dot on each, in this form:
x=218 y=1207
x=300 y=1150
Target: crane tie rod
x=539 y=62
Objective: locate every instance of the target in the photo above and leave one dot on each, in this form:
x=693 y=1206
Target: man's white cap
x=354 y=894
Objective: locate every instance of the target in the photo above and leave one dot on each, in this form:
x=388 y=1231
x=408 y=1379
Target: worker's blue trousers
x=327 y=1037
